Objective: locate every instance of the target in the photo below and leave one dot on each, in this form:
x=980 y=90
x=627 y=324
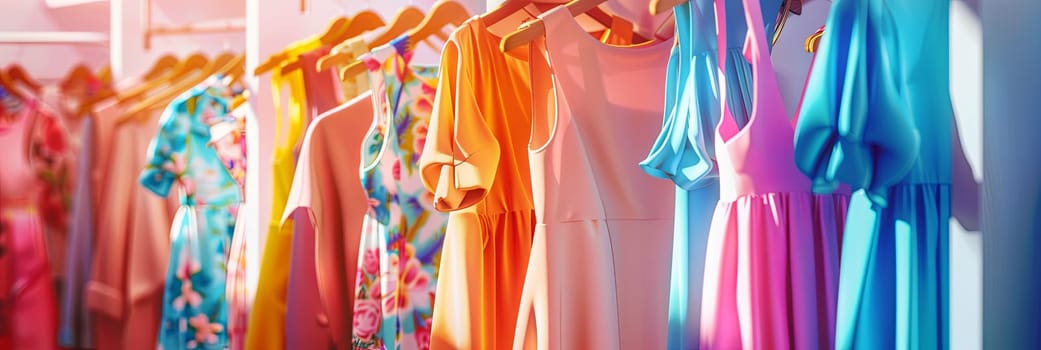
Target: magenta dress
x=772 y=255
x=28 y=308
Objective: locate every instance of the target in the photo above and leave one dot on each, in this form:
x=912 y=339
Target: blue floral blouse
x=194 y=303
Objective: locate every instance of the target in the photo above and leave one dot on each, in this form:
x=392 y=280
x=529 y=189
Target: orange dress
x=476 y=162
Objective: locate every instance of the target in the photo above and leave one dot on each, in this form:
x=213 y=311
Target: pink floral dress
x=195 y=312
x=402 y=233
x=28 y=310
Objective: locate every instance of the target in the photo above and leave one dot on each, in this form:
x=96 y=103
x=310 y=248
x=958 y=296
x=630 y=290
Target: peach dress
x=598 y=276
x=132 y=240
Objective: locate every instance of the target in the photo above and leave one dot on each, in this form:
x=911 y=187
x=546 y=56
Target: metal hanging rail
x=54 y=38
x=203 y=27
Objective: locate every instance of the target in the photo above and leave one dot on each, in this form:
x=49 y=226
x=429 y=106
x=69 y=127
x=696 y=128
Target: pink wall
x=124 y=20
x=129 y=54
x=49 y=62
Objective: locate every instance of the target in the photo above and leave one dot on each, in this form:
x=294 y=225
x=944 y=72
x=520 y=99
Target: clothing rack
x=70 y=3
x=54 y=38
x=210 y=26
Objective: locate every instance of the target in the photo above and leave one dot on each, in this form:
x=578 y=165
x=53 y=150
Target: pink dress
x=328 y=202
x=771 y=273
x=28 y=310
x=598 y=275
x=132 y=240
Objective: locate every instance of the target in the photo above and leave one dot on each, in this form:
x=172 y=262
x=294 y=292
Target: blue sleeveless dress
x=684 y=151
x=877 y=116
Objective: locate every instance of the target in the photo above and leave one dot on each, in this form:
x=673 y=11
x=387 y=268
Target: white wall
x=966 y=246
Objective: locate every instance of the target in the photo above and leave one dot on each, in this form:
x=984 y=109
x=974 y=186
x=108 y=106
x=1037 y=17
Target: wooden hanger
x=364 y=21
x=10 y=87
x=513 y=6
x=162 y=65
x=87 y=105
x=77 y=76
x=224 y=63
x=660 y=6
x=535 y=29
x=352 y=70
x=240 y=98
x=782 y=18
x=407 y=18
x=505 y=10
x=443 y=13
x=813 y=42
x=332 y=35
x=17 y=74
x=194 y=62
x=105 y=74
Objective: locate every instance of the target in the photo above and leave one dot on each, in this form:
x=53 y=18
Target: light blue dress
x=877 y=115
x=75 y=322
x=684 y=151
x=195 y=312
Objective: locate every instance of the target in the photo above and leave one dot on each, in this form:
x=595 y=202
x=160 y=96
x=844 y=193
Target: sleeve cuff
x=157 y=180
x=460 y=186
x=104 y=299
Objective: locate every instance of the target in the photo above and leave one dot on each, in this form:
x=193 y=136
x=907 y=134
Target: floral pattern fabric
x=230 y=143
x=54 y=143
x=194 y=301
x=51 y=151
x=27 y=303
x=402 y=233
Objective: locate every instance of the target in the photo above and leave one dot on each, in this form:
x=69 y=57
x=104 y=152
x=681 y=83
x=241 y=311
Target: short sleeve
x=672 y=157
x=461 y=156
x=683 y=153
x=166 y=156
x=853 y=126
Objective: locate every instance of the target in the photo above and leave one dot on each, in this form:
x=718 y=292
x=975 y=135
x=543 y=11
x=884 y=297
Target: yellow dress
x=266 y=329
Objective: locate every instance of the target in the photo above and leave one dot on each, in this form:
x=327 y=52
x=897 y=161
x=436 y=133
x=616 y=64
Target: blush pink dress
x=598 y=275
x=771 y=273
x=327 y=201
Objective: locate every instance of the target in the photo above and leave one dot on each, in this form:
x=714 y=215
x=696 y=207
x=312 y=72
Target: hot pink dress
x=28 y=308
x=598 y=275
x=771 y=273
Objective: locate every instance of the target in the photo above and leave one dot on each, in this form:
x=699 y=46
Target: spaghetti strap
x=771 y=266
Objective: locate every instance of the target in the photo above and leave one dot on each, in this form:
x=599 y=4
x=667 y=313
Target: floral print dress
x=27 y=305
x=194 y=303
x=402 y=233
